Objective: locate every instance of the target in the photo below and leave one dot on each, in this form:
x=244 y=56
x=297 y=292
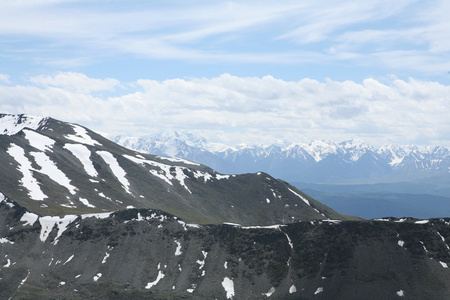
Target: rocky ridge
x=148 y=254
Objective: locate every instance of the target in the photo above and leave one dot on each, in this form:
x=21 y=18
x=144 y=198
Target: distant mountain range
x=352 y=177
x=317 y=162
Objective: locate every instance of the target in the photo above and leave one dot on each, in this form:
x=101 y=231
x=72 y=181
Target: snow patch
x=105 y=258
x=155 y=282
x=86 y=202
x=81 y=136
x=178 y=250
x=49 y=168
x=277 y=227
x=270 y=292
x=29 y=218
x=8 y=263
x=202 y=262
x=422 y=222
x=443 y=264
x=49 y=222
x=38 y=140
x=300 y=196
x=424 y=248
x=164 y=171
x=28 y=181
x=401 y=243
x=204 y=175
x=69 y=259
x=193 y=225
x=443 y=239
x=318 y=291
x=97 y=277
x=228 y=285
x=400 y=293
x=5 y=240
x=192 y=289
x=83 y=154
x=24 y=280
x=288 y=239
x=117 y=170
x=96 y=215
x=292 y=289
x=12 y=124
x=220 y=176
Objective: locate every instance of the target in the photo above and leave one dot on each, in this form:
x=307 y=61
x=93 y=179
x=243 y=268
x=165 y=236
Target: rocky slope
x=56 y=168
x=148 y=254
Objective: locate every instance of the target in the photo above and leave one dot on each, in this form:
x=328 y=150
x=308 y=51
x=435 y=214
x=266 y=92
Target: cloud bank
x=233 y=110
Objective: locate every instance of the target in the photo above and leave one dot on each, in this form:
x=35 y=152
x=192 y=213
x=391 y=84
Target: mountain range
x=352 y=177
x=83 y=217
x=317 y=162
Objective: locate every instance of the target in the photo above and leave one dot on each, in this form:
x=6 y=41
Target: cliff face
x=148 y=254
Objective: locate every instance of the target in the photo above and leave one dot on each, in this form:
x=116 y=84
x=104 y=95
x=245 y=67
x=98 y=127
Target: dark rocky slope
x=57 y=168
x=146 y=254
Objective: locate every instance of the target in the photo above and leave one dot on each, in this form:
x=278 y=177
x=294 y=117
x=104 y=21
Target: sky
x=254 y=72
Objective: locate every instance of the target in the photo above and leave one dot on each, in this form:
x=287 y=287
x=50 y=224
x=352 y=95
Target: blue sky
x=247 y=71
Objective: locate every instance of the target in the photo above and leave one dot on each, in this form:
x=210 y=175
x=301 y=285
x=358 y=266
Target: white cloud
x=75 y=82
x=246 y=109
x=284 y=32
x=4 y=78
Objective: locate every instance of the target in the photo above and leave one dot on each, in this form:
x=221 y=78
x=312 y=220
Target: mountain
x=82 y=217
x=149 y=254
x=351 y=177
x=56 y=168
x=348 y=162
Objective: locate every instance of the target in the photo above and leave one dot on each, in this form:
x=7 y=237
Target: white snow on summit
x=12 y=124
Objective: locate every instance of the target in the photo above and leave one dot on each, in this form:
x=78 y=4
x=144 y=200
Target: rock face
x=148 y=254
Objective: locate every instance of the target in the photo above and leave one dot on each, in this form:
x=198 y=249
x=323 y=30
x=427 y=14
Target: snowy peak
x=12 y=124
x=319 y=161
x=169 y=143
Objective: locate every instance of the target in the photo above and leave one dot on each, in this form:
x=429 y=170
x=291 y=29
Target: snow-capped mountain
x=82 y=217
x=316 y=162
x=57 y=168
